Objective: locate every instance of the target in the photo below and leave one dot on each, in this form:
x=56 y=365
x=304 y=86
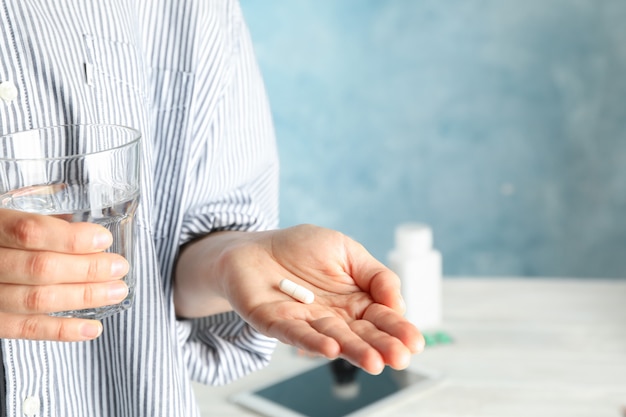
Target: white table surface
x=522 y=347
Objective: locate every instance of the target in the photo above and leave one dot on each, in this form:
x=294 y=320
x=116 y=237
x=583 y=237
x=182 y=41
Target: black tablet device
x=334 y=389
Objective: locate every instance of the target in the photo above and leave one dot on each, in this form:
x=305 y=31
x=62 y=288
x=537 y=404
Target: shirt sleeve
x=234 y=160
x=221 y=348
x=233 y=186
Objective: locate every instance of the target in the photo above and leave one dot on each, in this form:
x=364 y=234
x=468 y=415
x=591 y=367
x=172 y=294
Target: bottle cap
x=413 y=237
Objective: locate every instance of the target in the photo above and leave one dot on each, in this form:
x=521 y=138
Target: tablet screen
x=334 y=389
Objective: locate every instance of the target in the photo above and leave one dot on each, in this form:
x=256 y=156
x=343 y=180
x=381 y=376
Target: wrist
x=200 y=281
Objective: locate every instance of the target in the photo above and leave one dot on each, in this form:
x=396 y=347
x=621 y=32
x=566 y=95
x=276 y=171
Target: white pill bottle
x=419 y=267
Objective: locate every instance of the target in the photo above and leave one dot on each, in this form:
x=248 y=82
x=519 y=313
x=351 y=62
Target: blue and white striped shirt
x=184 y=74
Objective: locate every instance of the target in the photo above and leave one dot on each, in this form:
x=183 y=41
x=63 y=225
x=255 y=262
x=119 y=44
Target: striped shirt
x=183 y=73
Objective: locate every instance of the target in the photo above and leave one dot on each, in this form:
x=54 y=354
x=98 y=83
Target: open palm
x=357 y=312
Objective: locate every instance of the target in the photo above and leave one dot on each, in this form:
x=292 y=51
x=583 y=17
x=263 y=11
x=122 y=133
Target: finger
x=385 y=289
x=302 y=335
x=26 y=299
x=395 y=325
x=391 y=349
x=43 y=327
x=38 y=232
x=353 y=348
x=372 y=276
x=41 y=268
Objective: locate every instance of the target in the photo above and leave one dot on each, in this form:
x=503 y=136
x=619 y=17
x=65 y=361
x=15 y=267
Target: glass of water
x=81 y=173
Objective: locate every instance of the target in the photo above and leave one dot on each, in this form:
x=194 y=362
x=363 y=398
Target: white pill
x=296 y=291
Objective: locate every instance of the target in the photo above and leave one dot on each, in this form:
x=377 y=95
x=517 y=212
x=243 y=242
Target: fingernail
x=102 y=240
x=402 y=304
x=119 y=268
x=117 y=291
x=91 y=330
x=420 y=344
x=404 y=361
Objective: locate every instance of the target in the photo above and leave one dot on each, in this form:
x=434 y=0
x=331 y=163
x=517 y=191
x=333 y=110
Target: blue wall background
x=501 y=123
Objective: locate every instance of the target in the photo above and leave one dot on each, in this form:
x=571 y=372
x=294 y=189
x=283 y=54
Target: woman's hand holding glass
x=49 y=265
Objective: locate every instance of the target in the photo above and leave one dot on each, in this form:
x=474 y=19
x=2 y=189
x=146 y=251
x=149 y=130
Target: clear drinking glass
x=81 y=173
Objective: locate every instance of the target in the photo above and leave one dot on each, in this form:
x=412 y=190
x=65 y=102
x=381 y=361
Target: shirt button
x=31 y=406
x=8 y=91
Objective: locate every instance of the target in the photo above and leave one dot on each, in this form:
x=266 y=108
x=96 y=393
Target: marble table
x=521 y=347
